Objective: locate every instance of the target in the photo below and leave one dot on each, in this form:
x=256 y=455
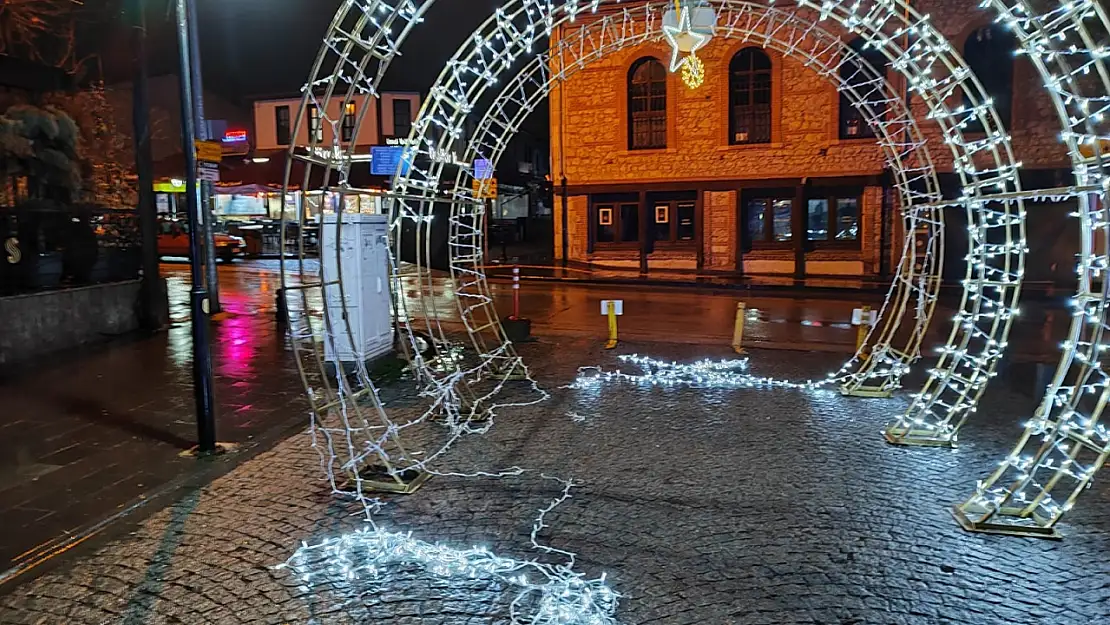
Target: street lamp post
x=154 y=311
x=198 y=295
x=203 y=133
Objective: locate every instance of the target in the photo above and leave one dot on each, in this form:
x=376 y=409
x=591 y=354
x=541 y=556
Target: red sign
x=236 y=143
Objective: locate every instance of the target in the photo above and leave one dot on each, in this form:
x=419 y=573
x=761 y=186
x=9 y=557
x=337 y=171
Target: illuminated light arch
x=1064 y=444
x=991 y=190
x=878 y=368
x=366 y=33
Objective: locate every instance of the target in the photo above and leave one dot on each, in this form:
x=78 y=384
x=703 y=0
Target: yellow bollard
x=612 y=313
x=738 y=332
x=863 y=329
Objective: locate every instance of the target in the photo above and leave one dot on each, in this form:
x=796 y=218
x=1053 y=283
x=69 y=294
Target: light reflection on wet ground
x=658 y=314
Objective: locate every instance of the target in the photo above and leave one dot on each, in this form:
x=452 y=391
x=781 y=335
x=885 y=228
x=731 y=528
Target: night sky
x=255 y=48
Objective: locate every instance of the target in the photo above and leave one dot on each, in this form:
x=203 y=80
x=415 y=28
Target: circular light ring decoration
x=914 y=292
x=992 y=198
x=1064 y=444
x=350 y=426
x=987 y=170
x=988 y=184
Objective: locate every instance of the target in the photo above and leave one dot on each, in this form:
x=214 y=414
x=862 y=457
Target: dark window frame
x=769 y=197
x=283 y=122
x=347 y=129
x=315 y=125
x=849 y=116
x=403 y=129
x=994 y=65
x=832 y=197
x=616 y=207
x=750 y=76
x=646 y=93
x=672 y=205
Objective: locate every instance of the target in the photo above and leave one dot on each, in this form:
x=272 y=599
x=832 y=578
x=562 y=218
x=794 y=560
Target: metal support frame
x=365 y=36
x=913 y=296
x=1065 y=442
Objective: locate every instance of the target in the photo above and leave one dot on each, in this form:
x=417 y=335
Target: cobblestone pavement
x=88 y=434
x=702 y=506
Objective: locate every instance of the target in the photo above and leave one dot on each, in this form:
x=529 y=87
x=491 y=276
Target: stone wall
x=53 y=321
x=804 y=133
x=719 y=230
x=590 y=143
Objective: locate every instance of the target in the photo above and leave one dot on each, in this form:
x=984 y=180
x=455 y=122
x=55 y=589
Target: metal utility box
x=362 y=263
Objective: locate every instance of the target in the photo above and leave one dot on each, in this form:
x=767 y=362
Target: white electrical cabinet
x=362 y=263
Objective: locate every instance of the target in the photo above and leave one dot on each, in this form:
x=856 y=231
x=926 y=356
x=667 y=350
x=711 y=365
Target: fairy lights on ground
x=545 y=594
x=1058 y=39
x=722 y=374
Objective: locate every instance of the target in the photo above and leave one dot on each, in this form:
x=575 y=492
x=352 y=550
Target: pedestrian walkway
x=85 y=436
x=722 y=507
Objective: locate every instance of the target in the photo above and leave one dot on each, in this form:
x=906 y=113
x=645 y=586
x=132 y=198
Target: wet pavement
x=787 y=320
x=90 y=435
x=86 y=435
x=702 y=506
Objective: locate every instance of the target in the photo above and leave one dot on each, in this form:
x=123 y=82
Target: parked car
x=173 y=240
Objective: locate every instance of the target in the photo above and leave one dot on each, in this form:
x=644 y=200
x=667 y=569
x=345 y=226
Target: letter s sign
x=11 y=246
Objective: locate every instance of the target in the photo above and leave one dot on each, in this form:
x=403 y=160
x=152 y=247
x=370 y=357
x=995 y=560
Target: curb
x=47 y=556
x=878 y=290
x=769 y=289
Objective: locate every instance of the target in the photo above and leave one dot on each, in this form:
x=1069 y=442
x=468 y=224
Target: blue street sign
x=385 y=160
x=483 y=169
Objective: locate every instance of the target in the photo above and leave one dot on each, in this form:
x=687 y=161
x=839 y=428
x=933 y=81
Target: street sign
x=863 y=317
x=483 y=169
x=209 y=172
x=485 y=189
x=210 y=151
x=387 y=160
x=618 y=306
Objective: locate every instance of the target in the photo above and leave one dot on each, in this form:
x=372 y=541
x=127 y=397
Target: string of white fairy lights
x=931 y=67
x=351 y=428
x=904 y=145
x=545 y=593
x=1002 y=280
x=705 y=374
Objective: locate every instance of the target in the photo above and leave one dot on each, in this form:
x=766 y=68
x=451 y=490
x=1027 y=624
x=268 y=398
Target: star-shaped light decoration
x=684 y=39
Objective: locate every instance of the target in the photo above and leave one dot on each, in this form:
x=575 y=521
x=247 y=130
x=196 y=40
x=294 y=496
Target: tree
x=105 y=152
x=96 y=166
x=40 y=30
x=40 y=145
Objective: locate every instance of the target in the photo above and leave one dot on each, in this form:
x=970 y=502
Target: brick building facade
x=725 y=178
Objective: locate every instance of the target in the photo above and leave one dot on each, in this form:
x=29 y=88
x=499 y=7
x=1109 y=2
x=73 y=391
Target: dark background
x=258 y=48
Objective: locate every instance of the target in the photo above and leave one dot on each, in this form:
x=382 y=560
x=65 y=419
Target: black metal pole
x=208 y=219
x=198 y=300
x=153 y=309
x=799 y=227
x=563 y=217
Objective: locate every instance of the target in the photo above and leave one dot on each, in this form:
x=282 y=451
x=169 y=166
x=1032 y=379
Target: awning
x=263 y=169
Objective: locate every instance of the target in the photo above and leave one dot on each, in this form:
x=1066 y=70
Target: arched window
x=989 y=52
x=853 y=123
x=647 y=105
x=749 y=101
